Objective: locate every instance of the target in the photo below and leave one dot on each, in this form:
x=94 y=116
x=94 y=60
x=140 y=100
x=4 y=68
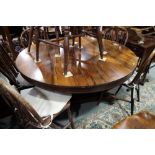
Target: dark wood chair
x=68 y=33
x=141 y=120
x=35 y=35
x=96 y=32
x=144 y=31
x=24 y=37
x=8 y=34
x=93 y=31
x=142 y=42
x=35 y=107
x=9 y=70
x=117 y=34
x=134 y=82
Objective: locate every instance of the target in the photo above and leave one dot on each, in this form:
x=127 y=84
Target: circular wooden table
x=89 y=73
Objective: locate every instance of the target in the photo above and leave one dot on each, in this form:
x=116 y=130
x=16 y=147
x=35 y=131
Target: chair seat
x=19 y=79
x=45 y=102
x=22 y=81
x=142 y=120
x=4 y=78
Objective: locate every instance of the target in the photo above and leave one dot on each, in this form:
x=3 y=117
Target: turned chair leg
x=144 y=79
x=37 y=44
x=57 y=37
x=70 y=117
x=30 y=38
x=80 y=42
x=132 y=100
x=99 y=40
x=138 y=92
x=73 y=41
x=66 y=54
x=45 y=32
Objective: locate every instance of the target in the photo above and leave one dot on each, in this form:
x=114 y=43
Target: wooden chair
x=134 y=82
x=24 y=37
x=147 y=31
x=142 y=120
x=7 y=39
x=94 y=31
x=9 y=70
x=35 y=107
x=144 y=31
x=117 y=34
x=69 y=32
x=35 y=31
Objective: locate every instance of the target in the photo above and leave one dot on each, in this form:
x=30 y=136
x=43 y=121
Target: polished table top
x=89 y=73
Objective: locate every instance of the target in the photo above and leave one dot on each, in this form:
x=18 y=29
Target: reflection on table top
x=89 y=73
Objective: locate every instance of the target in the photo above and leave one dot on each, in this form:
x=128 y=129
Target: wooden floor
x=89 y=73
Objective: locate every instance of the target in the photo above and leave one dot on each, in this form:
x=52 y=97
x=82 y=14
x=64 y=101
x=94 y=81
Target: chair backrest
x=6 y=35
x=75 y=30
x=7 y=66
x=143 y=67
x=118 y=34
x=26 y=115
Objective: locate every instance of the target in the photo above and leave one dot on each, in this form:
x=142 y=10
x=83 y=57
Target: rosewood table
x=89 y=73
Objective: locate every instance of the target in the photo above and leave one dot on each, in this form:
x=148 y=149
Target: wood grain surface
x=89 y=73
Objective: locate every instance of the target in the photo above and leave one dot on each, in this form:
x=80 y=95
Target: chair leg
x=73 y=41
x=30 y=38
x=132 y=100
x=46 y=33
x=99 y=40
x=37 y=43
x=70 y=117
x=66 y=54
x=143 y=79
x=138 y=93
x=57 y=37
x=100 y=98
x=118 y=89
x=80 y=42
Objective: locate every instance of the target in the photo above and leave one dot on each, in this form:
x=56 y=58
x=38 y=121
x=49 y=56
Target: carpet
x=107 y=114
